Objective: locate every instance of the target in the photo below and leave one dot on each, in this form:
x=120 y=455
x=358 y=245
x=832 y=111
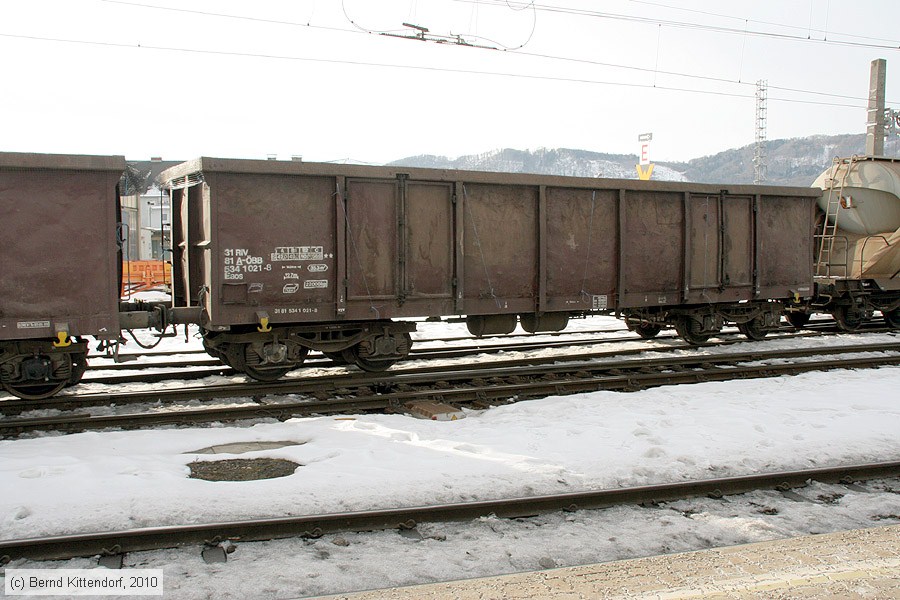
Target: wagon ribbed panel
x=581 y=246
x=652 y=248
x=785 y=251
x=272 y=247
x=58 y=252
x=429 y=249
x=500 y=249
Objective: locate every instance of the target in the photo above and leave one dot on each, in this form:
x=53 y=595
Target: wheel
x=351 y=356
x=892 y=318
x=35 y=391
x=213 y=351
x=79 y=366
x=374 y=366
x=41 y=376
x=647 y=330
x=689 y=330
x=267 y=374
x=254 y=364
x=847 y=318
x=230 y=354
x=797 y=319
x=336 y=357
x=754 y=329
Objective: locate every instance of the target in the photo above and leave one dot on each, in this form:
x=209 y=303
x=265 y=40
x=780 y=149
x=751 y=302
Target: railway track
x=131 y=356
x=212 y=367
x=127 y=358
x=199 y=369
x=217 y=367
x=473 y=386
x=211 y=535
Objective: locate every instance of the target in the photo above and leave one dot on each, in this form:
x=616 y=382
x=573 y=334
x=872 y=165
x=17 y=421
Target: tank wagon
x=857 y=266
x=285 y=257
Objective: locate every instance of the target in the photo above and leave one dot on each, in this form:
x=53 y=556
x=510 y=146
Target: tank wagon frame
x=857 y=262
x=285 y=257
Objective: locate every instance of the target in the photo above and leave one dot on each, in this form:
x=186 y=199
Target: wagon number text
x=238 y=261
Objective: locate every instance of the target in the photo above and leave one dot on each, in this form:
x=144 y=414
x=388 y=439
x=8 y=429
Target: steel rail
x=189 y=371
x=311 y=385
x=475 y=391
x=415 y=354
x=312 y=526
x=129 y=356
x=423 y=353
x=330 y=383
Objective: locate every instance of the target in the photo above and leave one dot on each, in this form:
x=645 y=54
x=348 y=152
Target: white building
x=155 y=223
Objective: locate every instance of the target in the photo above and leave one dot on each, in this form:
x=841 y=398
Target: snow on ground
x=124 y=479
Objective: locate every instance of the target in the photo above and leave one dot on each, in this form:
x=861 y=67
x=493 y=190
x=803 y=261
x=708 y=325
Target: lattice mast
x=759 y=155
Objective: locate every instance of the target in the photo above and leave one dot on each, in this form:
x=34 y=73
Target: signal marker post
x=644 y=154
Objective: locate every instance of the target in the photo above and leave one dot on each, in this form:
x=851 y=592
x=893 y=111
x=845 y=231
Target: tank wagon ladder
x=840 y=167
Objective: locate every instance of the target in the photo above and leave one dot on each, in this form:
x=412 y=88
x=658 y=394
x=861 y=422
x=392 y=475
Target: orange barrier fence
x=140 y=275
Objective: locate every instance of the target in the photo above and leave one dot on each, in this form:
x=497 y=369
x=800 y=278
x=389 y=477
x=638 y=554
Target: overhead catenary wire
x=894 y=45
x=809 y=28
x=527 y=76
x=655 y=71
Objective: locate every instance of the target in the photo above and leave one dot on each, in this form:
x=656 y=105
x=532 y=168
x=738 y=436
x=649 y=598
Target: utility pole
x=875 y=124
x=759 y=154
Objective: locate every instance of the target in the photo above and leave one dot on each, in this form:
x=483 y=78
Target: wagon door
x=737 y=245
x=704 y=240
x=652 y=250
x=399 y=247
x=372 y=246
x=427 y=252
x=720 y=250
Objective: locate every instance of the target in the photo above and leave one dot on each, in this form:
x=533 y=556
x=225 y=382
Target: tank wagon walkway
x=852 y=564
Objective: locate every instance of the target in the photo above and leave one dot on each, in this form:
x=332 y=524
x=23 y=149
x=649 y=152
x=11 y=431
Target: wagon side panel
x=652 y=252
x=59 y=251
x=271 y=249
x=428 y=247
x=719 y=259
x=784 y=246
x=372 y=246
x=500 y=248
x=581 y=248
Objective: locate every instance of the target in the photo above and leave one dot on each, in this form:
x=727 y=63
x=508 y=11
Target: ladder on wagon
x=840 y=169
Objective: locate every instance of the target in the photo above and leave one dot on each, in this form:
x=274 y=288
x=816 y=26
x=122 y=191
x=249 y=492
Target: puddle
x=240 y=469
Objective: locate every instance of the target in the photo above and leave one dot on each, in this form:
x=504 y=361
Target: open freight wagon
x=59 y=266
x=284 y=257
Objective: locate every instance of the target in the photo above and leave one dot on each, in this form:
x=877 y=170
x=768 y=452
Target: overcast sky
x=180 y=79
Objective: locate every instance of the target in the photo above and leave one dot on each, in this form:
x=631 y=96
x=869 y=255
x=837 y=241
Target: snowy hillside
x=544 y=161
x=796 y=161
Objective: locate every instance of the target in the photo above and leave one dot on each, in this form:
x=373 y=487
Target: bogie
x=35 y=369
x=691 y=330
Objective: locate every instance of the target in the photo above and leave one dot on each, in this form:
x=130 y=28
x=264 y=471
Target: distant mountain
x=560 y=161
x=796 y=161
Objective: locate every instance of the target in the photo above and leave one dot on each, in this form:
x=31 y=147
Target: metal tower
x=759 y=154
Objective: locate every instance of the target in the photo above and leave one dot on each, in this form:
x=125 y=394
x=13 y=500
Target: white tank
x=871 y=194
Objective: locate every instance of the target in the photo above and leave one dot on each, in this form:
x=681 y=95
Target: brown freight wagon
x=58 y=266
x=283 y=257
